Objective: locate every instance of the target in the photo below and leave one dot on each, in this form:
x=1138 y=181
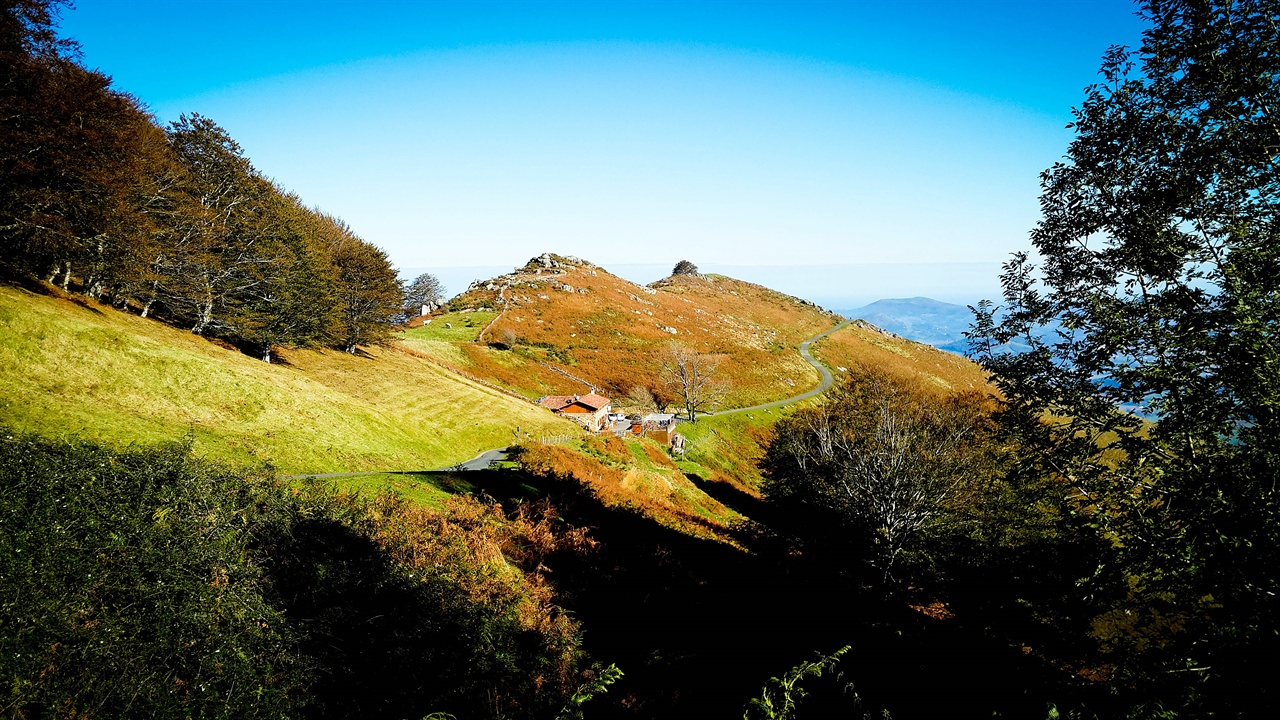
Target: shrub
x=149 y=583
x=129 y=587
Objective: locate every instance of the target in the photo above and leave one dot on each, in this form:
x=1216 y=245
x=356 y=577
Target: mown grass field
x=73 y=368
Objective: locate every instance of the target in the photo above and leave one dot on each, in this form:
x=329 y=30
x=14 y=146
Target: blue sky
x=863 y=135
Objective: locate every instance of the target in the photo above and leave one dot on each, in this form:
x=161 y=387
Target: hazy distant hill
x=922 y=319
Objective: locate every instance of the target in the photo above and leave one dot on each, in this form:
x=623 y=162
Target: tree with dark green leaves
x=684 y=267
x=294 y=300
x=369 y=291
x=1156 y=395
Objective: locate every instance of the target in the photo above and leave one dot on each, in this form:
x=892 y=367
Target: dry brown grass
x=607 y=468
x=610 y=332
x=913 y=363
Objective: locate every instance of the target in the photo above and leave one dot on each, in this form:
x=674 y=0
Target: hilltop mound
x=561 y=324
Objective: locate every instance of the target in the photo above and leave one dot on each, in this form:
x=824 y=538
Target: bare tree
x=692 y=376
x=887 y=459
x=651 y=399
x=424 y=290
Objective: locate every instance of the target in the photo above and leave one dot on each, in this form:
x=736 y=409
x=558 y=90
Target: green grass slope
x=73 y=368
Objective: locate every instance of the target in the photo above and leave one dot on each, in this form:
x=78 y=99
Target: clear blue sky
x=765 y=134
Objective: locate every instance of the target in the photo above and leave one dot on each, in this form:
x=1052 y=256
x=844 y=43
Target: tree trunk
x=205 y=317
x=66 y=278
x=146 y=307
x=266 y=353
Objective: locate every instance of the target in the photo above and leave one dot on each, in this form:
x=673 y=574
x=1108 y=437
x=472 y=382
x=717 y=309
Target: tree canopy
x=1161 y=257
x=426 y=289
x=175 y=222
x=684 y=267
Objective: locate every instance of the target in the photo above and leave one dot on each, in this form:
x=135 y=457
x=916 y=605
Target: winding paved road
x=827 y=379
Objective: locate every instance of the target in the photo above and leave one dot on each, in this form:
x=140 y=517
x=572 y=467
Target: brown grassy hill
x=550 y=324
x=863 y=344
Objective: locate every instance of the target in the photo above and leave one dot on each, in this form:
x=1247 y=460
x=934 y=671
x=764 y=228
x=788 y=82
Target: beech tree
x=368 y=289
x=69 y=154
x=294 y=300
x=218 y=246
x=175 y=222
x=1160 y=242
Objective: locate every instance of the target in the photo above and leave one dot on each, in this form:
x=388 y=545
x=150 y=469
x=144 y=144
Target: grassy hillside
x=861 y=343
x=579 y=319
x=72 y=367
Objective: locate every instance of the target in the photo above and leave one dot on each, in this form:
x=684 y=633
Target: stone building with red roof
x=590 y=410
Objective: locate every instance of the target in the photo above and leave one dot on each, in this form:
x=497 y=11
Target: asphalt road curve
x=827 y=379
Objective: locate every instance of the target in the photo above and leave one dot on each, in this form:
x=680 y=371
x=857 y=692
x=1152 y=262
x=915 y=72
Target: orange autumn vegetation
x=611 y=332
x=496 y=559
x=608 y=469
x=861 y=344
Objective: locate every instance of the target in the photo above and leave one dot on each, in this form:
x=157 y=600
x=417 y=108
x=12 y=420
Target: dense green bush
x=149 y=583
x=128 y=587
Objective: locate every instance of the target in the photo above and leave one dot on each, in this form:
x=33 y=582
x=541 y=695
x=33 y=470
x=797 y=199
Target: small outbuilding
x=658 y=426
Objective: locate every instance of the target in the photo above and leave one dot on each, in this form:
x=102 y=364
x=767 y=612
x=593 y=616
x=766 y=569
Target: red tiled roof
x=593 y=401
x=560 y=402
x=556 y=402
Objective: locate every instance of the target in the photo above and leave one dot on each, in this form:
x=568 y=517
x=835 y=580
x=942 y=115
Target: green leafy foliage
x=151 y=584
x=130 y=589
x=781 y=696
x=1161 y=256
x=598 y=683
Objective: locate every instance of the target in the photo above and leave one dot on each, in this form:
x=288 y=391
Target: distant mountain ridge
x=922 y=319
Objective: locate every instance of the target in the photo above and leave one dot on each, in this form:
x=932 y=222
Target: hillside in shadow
x=699 y=626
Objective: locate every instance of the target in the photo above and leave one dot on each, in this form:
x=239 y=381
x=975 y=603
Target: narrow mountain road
x=479 y=462
x=827 y=379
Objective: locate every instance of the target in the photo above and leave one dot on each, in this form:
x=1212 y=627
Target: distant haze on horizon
x=842 y=152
